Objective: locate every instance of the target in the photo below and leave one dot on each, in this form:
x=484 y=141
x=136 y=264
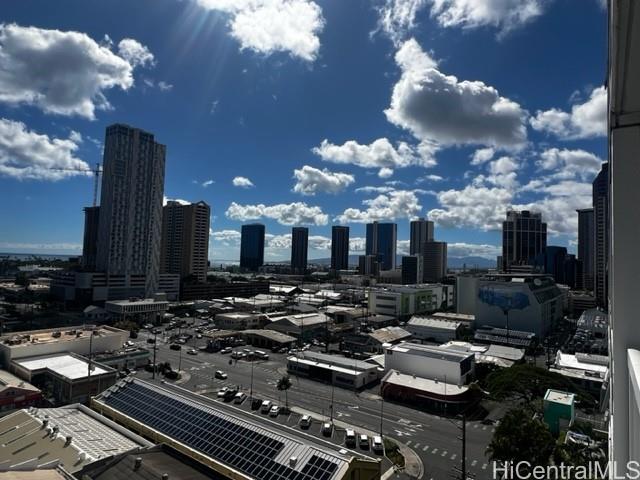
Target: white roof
x=566 y=360
x=69 y=366
x=433 y=323
x=557 y=396
x=424 y=384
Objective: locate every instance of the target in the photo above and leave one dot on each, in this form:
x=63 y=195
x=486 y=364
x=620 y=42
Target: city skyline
x=372 y=161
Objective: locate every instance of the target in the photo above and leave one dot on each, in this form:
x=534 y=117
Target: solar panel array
x=213 y=433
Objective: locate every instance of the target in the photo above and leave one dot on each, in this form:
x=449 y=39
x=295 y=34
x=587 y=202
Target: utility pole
x=464 y=447
x=381 y=410
x=155 y=351
x=251 y=387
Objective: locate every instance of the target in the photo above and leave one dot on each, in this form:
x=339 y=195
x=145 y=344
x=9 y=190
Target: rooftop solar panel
x=215 y=434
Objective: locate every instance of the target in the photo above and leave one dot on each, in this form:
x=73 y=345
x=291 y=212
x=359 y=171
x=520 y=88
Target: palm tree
x=285 y=384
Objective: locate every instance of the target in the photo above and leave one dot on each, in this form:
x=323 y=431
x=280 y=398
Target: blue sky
x=308 y=112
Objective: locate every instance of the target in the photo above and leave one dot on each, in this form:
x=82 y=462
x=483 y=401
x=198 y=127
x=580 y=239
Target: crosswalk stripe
x=417 y=445
x=474 y=463
x=453 y=457
x=408 y=443
x=444 y=454
x=425 y=448
x=435 y=450
x=484 y=466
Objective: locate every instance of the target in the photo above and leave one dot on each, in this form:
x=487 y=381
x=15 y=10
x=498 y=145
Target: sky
x=308 y=112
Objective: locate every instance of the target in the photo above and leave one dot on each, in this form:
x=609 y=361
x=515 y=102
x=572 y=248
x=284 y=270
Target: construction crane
x=96 y=173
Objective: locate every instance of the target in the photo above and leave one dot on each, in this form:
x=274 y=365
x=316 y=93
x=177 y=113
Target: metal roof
x=65 y=364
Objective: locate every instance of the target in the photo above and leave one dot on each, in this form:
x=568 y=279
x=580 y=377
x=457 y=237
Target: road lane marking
x=474 y=463
x=453 y=457
x=434 y=451
x=408 y=442
x=484 y=428
x=444 y=454
x=484 y=466
x=425 y=448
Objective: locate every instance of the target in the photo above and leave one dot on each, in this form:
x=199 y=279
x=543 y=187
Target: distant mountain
x=452 y=262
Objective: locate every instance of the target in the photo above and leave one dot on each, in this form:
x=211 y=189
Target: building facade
x=601 y=235
x=339 y=247
x=524 y=235
x=185 y=239
x=412 y=272
x=421 y=233
x=129 y=232
x=90 y=239
x=381 y=242
x=299 y=249
x=586 y=253
x=434 y=257
x=252 y=246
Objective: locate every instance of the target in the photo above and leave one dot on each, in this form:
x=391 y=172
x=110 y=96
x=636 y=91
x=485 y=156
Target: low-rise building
x=269 y=339
x=402 y=301
x=559 y=410
x=339 y=371
x=125 y=358
x=259 y=303
x=588 y=371
x=305 y=326
x=222 y=289
x=65 y=377
x=502 y=336
x=374 y=342
x=433 y=329
x=142 y=310
x=16 y=393
x=240 y=320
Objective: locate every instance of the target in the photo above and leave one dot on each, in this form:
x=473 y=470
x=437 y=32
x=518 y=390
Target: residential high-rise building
x=524 y=236
x=185 y=239
x=601 y=235
x=434 y=257
x=412 y=269
x=339 y=247
x=586 y=253
x=90 y=240
x=252 y=246
x=381 y=242
x=129 y=231
x=368 y=265
x=421 y=233
x=299 y=248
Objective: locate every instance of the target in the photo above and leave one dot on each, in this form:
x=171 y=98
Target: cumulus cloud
x=380 y=154
x=385 y=172
x=441 y=109
x=268 y=26
x=65 y=73
x=296 y=213
x=398 y=17
x=166 y=199
x=429 y=178
x=242 y=182
x=28 y=155
x=570 y=163
x=586 y=120
x=482 y=155
x=388 y=206
x=227 y=238
x=461 y=249
x=311 y=180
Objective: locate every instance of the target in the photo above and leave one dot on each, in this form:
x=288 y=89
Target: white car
x=377 y=444
x=350 y=438
x=239 y=397
x=305 y=421
x=192 y=351
x=265 y=407
x=222 y=391
x=364 y=441
x=221 y=375
x=274 y=411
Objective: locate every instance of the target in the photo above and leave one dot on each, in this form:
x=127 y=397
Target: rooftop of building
x=272 y=335
x=593 y=319
x=58 y=335
x=72 y=436
x=464 y=317
x=67 y=365
x=390 y=334
x=237 y=315
x=249 y=445
x=55 y=473
x=9 y=380
x=337 y=361
x=597 y=365
x=430 y=352
x=137 y=301
x=390 y=287
x=433 y=322
x=302 y=319
x=557 y=396
x=426 y=385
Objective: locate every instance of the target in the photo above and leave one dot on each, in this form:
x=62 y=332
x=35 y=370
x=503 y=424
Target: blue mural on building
x=503 y=298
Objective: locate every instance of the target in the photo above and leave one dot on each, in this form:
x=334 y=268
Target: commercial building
x=142 y=310
x=529 y=303
x=339 y=247
x=213 y=433
x=299 y=248
x=269 y=339
x=433 y=329
x=65 y=377
x=524 y=235
x=421 y=233
x=71 y=437
x=368 y=265
x=381 y=241
x=240 y=320
x=334 y=370
x=402 y=301
x=185 y=239
x=431 y=362
x=467 y=293
x=304 y=326
x=502 y=336
x=90 y=238
x=80 y=340
x=588 y=371
x=252 y=246
x=586 y=251
x=209 y=290
x=412 y=269
x=601 y=235
x=376 y=341
x=129 y=233
x=16 y=393
x=434 y=257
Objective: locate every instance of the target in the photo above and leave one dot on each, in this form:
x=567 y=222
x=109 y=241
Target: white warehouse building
x=407 y=300
x=433 y=328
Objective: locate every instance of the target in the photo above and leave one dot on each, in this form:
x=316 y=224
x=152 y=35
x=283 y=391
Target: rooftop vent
x=138 y=463
x=68 y=440
x=293 y=461
x=165 y=476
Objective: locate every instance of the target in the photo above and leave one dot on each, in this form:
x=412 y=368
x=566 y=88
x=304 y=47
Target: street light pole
x=381 y=410
x=464 y=447
x=155 y=351
x=251 y=387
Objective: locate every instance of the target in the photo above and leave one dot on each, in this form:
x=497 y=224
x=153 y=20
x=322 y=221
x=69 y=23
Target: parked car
x=274 y=411
x=327 y=429
x=239 y=397
x=222 y=391
x=151 y=340
x=175 y=346
x=266 y=406
x=378 y=446
x=182 y=341
x=364 y=441
x=199 y=335
x=350 y=438
x=305 y=421
x=221 y=375
x=192 y=351
x=230 y=394
x=226 y=350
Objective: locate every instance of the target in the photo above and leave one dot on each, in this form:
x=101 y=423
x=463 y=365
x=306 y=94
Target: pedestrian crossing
x=442 y=453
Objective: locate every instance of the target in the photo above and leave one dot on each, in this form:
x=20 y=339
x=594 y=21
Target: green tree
x=519 y=437
x=284 y=384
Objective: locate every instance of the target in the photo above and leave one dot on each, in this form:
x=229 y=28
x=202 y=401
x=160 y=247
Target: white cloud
x=482 y=155
x=429 y=178
x=296 y=213
x=380 y=154
x=398 y=17
x=385 y=172
x=268 y=26
x=25 y=154
x=461 y=249
x=166 y=199
x=586 y=120
x=242 y=182
x=227 y=238
x=65 y=73
x=311 y=180
x=388 y=206
x=357 y=244
x=164 y=86
x=570 y=163
x=440 y=109
x=375 y=189
x=135 y=53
